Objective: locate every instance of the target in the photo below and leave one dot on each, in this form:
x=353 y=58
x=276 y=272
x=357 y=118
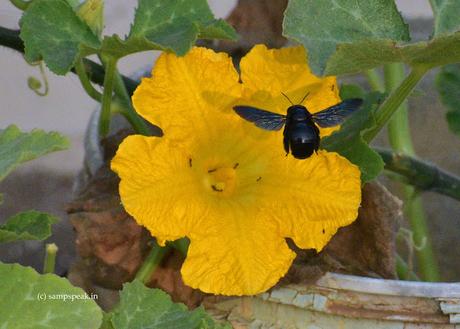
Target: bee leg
x=317 y=145
x=286 y=145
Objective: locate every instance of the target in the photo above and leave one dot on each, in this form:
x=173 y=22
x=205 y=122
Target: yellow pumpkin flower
x=222 y=182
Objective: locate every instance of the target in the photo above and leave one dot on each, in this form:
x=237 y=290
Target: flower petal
x=156 y=187
x=185 y=92
x=235 y=249
x=226 y=184
x=314 y=197
x=267 y=73
x=245 y=255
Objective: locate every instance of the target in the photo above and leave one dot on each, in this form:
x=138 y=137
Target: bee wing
x=261 y=118
x=335 y=115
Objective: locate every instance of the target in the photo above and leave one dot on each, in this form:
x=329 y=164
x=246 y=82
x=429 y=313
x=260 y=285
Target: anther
x=216 y=189
x=324 y=231
x=190 y=162
x=258 y=179
x=212 y=170
x=236 y=165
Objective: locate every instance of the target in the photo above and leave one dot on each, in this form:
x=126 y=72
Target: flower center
x=221 y=180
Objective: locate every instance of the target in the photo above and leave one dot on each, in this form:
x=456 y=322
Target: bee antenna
x=287 y=98
x=304 y=97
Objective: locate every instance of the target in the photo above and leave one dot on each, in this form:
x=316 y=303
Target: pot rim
x=390 y=287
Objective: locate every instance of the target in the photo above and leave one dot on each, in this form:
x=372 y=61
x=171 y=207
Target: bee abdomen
x=303 y=140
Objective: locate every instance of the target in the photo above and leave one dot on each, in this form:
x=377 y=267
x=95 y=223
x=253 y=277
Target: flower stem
x=50 y=258
x=20 y=4
x=85 y=81
x=391 y=104
x=400 y=140
x=104 y=120
x=151 y=262
x=181 y=245
x=130 y=114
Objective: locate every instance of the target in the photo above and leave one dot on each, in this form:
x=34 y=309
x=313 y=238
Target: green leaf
x=323 y=25
x=29 y=225
x=144 y=308
x=17 y=147
x=446 y=16
x=171 y=25
x=367 y=54
x=351 y=91
x=217 y=29
x=448 y=85
x=31 y=300
x=349 y=143
x=52 y=31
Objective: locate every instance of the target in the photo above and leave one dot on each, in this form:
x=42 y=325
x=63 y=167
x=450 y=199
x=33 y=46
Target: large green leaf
x=17 y=147
x=29 y=225
x=144 y=308
x=31 y=300
x=446 y=16
x=367 y=54
x=323 y=25
x=448 y=85
x=52 y=31
x=348 y=140
x=171 y=25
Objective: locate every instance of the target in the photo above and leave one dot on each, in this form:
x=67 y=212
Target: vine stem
x=398 y=127
x=392 y=103
x=104 y=120
x=151 y=262
x=401 y=141
x=31 y=80
x=375 y=80
x=414 y=211
x=85 y=81
x=403 y=270
x=420 y=174
x=10 y=38
x=50 y=258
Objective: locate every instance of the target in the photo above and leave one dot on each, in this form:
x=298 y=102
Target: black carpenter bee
x=301 y=135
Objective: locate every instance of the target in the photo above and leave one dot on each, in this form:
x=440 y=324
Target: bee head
x=298 y=113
